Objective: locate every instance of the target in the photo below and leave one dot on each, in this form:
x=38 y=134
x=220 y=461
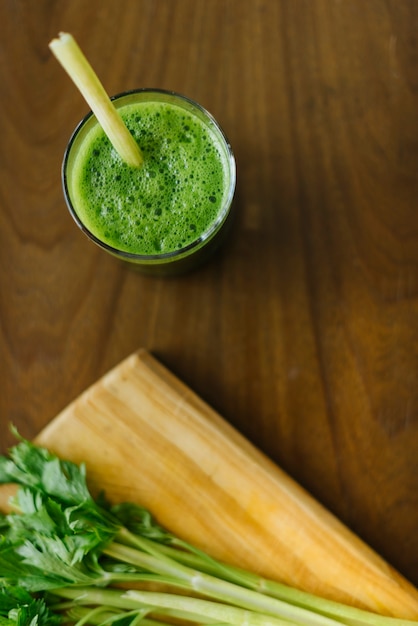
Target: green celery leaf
x=84 y=527
x=11 y=473
x=139 y=520
x=11 y=564
x=10 y=597
x=90 y=518
x=64 y=482
x=37 y=521
x=58 y=560
x=19 y=608
x=34 y=466
x=34 y=614
x=39 y=562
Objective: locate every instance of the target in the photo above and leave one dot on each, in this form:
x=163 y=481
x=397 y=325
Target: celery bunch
x=64 y=555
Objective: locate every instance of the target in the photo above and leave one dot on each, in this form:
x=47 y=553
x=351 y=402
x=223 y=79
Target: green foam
x=166 y=204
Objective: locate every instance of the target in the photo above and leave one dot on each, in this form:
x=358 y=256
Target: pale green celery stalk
x=175 y=606
x=228 y=613
x=101 y=616
x=118 y=600
x=259 y=594
x=350 y=615
x=211 y=586
x=74 y=607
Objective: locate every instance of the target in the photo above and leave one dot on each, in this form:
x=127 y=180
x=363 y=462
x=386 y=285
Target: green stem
x=214 y=587
x=155 y=562
x=198 y=560
x=223 y=613
x=100 y=616
x=193 y=609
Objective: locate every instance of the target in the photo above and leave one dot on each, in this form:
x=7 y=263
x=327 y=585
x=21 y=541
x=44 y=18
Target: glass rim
x=203 y=237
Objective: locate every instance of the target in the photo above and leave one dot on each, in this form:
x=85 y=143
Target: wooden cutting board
x=146 y=437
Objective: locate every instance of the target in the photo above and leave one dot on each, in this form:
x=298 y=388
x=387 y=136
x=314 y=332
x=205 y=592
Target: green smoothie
x=171 y=206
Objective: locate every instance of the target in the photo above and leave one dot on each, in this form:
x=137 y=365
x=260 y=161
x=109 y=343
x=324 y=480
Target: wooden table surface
x=303 y=330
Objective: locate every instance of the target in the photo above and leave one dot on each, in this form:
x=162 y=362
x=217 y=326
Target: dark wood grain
x=303 y=331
